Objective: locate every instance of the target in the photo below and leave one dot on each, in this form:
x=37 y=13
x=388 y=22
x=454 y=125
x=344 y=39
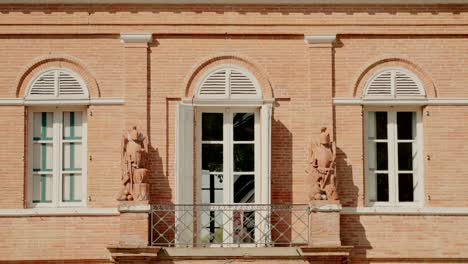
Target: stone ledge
x=134 y=207
x=121 y=252
x=84 y=211
x=325 y=206
x=337 y=252
x=405 y=211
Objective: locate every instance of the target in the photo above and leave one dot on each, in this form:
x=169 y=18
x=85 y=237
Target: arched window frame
x=190 y=109
x=391 y=106
x=56 y=107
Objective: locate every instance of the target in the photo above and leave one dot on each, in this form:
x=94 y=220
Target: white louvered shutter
x=44 y=85
x=394 y=83
x=56 y=84
x=228 y=83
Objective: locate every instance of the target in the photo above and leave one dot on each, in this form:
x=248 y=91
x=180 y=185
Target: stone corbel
x=128 y=38
x=318 y=41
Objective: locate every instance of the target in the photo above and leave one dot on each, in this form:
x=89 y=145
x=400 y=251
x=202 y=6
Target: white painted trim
x=414 y=101
x=325 y=208
x=134 y=208
x=58 y=212
x=404 y=210
x=320 y=39
x=92 y=101
x=227 y=102
x=136 y=37
x=236 y=2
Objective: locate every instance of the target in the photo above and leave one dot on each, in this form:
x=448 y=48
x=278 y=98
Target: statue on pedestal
x=134 y=166
x=321 y=176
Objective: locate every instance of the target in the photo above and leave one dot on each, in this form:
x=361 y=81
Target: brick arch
x=196 y=74
x=426 y=81
x=40 y=64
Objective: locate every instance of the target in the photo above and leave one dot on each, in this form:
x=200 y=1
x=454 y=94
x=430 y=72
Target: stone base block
x=134 y=224
x=325 y=224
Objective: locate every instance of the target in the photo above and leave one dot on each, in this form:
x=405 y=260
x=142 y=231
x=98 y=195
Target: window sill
x=58 y=212
x=404 y=210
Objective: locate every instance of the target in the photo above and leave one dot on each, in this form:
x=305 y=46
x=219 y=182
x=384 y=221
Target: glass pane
x=71 y=156
x=244 y=158
x=42 y=157
x=244 y=226
x=382 y=187
x=212 y=231
x=406 y=125
x=405 y=156
x=212 y=126
x=244 y=127
x=212 y=188
x=43 y=125
x=405 y=187
x=244 y=188
x=212 y=157
x=382 y=156
x=381 y=125
x=71 y=188
x=42 y=188
x=72 y=123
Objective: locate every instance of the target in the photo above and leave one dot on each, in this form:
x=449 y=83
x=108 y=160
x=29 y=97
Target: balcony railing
x=229 y=225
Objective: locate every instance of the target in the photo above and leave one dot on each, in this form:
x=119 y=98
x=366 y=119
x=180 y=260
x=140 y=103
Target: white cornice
x=243 y=2
x=92 y=101
x=58 y=212
x=415 y=101
x=405 y=210
x=135 y=37
x=320 y=39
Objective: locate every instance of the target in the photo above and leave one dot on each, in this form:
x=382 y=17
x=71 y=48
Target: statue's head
x=134 y=134
x=324 y=136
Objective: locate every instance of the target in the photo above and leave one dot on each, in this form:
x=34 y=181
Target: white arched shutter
x=184 y=173
x=394 y=83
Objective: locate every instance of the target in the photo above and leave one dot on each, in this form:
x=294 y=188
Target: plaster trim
x=135 y=37
x=415 y=101
x=405 y=211
x=92 y=101
x=58 y=212
x=233 y=2
x=227 y=102
x=320 y=39
x=134 y=208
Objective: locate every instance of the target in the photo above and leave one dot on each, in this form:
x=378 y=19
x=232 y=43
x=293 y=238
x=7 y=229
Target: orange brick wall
x=269 y=40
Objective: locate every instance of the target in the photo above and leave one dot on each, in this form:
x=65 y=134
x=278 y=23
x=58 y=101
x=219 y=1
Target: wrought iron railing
x=229 y=225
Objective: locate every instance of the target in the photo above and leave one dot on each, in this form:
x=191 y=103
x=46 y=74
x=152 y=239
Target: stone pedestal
x=325 y=224
x=134 y=224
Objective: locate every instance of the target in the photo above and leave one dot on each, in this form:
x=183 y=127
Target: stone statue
x=321 y=176
x=134 y=164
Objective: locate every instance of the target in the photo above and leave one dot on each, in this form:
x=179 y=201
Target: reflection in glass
x=405 y=156
x=405 y=187
x=405 y=125
x=382 y=156
x=244 y=188
x=212 y=188
x=382 y=187
x=244 y=126
x=212 y=126
x=244 y=157
x=212 y=227
x=212 y=157
x=244 y=226
x=381 y=125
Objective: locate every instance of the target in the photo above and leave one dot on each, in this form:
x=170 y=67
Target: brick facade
x=303 y=79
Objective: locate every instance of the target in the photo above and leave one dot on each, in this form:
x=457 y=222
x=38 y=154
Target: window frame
x=418 y=166
x=57 y=129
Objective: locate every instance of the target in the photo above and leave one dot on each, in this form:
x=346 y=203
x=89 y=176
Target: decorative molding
x=325 y=207
x=320 y=39
x=135 y=37
x=414 y=101
x=134 y=208
x=226 y=102
x=245 y=2
x=405 y=210
x=92 y=101
x=58 y=212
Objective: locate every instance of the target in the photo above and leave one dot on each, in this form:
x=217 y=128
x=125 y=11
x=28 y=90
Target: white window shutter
x=265 y=117
x=405 y=85
x=381 y=85
x=371 y=158
x=215 y=85
x=184 y=172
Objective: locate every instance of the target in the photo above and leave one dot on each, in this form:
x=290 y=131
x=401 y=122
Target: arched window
x=57 y=139
x=231 y=156
x=394 y=139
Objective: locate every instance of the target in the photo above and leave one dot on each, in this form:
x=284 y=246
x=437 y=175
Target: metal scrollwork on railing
x=229 y=225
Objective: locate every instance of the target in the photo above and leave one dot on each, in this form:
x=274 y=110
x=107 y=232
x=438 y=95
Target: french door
x=228 y=176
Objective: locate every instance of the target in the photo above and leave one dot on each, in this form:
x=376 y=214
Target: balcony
x=285 y=225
